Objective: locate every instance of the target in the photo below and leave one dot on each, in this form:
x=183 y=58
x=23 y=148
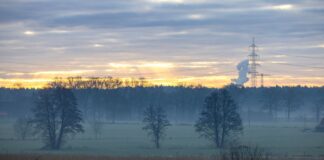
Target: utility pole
x=262 y=85
x=262 y=78
x=253 y=58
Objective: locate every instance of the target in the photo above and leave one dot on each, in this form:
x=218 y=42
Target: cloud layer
x=161 y=39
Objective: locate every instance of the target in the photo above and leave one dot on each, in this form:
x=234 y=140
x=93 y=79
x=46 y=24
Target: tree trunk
x=61 y=132
x=51 y=133
x=222 y=138
x=59 y=139
x=275 y=114
x=216 y=135
x=249 y=120
x=318 y=113
x=271 y=112
x=113 y=121
x=288 y=113
x=157 y=141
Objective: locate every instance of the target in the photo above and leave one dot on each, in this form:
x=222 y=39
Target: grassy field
x=181 y=140
x=87 y=157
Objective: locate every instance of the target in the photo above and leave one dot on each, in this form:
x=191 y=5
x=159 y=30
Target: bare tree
x=23 y=128
x=318 y=102
x=97 y=128
x=292 y=101
x=270 y=100
x=56 y=115
x=156 y=122
x=219 y=118
x=318 y=107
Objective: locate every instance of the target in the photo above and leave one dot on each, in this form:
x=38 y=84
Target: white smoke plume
x=243 y=70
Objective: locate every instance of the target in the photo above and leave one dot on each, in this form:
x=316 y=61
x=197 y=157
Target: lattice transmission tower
x=253 y=63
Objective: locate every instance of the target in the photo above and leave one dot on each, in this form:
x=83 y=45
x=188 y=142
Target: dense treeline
x=109 y=99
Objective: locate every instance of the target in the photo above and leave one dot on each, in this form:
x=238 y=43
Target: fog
x=182 y=103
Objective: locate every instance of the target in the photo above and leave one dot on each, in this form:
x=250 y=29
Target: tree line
x=56 y=116
x=113 y=100
x=56 y=113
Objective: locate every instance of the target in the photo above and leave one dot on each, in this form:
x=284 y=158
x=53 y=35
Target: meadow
x=128 y=139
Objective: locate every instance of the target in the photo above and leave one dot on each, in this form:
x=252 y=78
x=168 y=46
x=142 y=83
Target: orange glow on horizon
x=208 y=73
x=207 y=81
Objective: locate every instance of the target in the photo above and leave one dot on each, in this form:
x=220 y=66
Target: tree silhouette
x=219 y=118
x=318 y=103
x=97 y=128
x=270 y=99
x=23 y=128
x=56 y=115
x=156 y=122
x=292 y=100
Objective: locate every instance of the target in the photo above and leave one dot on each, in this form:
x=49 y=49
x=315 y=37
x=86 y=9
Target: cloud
x=172 y=33
x=194 y=36
x=176 y=1
x=280 y=56
x=48 y=74
x=97 y=45
x=142 y=65
x=320 y=46
x=196 y=16
x=282 y=7
x=29 y=33
x=167 y=1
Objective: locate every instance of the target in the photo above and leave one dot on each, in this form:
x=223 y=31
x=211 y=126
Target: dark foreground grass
x=79 y=157
x=88 y=157
x=181 y=141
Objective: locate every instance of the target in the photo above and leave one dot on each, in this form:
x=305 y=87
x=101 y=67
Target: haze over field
x=162 y=79
x=165 y=41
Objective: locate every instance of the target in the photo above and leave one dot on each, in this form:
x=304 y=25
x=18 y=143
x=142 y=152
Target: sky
x=165 y=41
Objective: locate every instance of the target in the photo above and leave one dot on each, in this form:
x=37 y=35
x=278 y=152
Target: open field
x=78 y=157
x=75 y=157
x=181 y=140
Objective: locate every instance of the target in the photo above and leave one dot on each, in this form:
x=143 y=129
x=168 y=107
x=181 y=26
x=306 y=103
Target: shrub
x=320 y=126
x=245 y=153
x=23 y=128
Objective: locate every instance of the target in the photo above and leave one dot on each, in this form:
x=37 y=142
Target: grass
x=78 y=157
x=181 y=141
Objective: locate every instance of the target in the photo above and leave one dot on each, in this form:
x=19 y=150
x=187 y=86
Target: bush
x=97 y=128
x=320 y=126
x=23 y=128
x=245 y=153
